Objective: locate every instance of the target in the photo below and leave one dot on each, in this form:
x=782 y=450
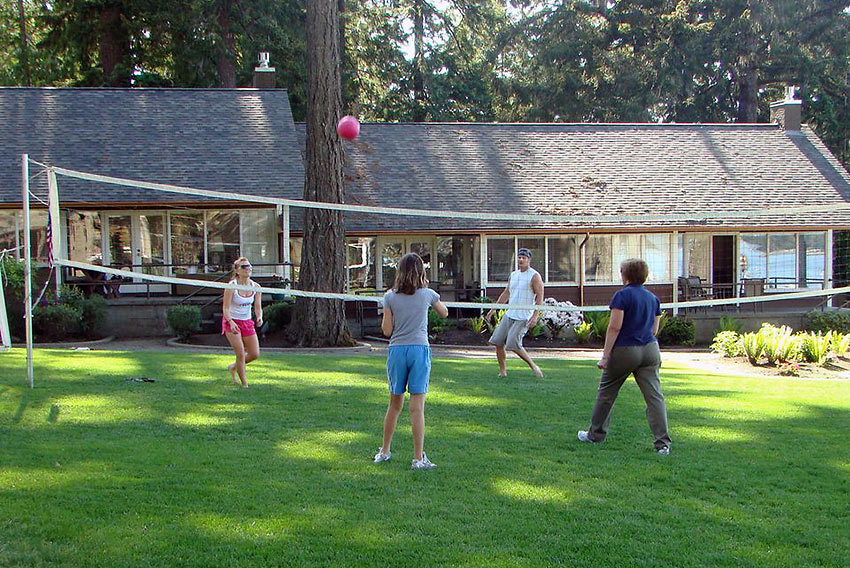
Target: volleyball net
x=684 y=296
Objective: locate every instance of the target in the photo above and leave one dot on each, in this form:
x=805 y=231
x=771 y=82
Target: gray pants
x=644 y=361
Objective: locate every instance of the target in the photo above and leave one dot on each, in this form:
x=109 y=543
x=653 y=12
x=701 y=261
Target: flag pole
x=25 y=179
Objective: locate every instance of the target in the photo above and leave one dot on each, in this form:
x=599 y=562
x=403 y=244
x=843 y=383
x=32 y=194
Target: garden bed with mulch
x=837 y=368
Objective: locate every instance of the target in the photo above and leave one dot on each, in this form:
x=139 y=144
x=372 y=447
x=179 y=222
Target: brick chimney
x=787 y=113
x=264 y=76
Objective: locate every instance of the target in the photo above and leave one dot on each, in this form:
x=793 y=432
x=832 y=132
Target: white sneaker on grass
x=664 y=451
x=381 y=456
x=424 y=463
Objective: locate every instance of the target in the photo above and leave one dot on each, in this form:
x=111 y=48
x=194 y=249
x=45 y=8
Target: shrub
x=93 y=315
x=583 y=331
x=477 y=325
x=599 y=322
x=540 y=329
x=833 y=320
x=557 y=321
x=277 y=315
x=752 y=344
x=436 y=324
x=494 y=323
x=729 y=323
x=728 y=344
x=780 y=345
x=183 y=320
x=56 y=321
x=814 y=347
x=677 y=331
x=839 y=342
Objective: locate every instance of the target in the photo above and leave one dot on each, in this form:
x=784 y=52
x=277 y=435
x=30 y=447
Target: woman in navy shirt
x=631 y=348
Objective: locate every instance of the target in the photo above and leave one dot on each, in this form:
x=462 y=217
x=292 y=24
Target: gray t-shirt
x=410 y=315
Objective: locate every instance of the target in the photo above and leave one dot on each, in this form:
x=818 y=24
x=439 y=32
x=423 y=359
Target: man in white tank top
x=524 y=289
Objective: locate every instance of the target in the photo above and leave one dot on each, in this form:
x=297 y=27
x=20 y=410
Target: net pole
x=57 y=250
x=827 y=266
x=674 y=270
x=25 y=194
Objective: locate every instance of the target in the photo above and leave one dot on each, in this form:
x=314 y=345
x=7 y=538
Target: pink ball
x=348 y=127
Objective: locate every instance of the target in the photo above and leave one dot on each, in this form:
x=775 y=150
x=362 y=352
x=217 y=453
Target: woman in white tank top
x=236 y=323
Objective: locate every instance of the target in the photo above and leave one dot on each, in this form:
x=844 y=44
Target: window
x=597 y=254
x=782 y=260
x=561 y=261
x=694 y=255
x=295 y=246
x=500 y=259
x=85 y=236
x=187 y=240
x=457 y=265
x=360 y=262
x=259 y=238
x=811 y=267
x=538 y=252
x=9 y=232
x=222 y=239
x=656 y=252
x=391 y=254
x=753 y=260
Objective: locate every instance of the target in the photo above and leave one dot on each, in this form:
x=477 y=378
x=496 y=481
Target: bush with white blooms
x=558 y=320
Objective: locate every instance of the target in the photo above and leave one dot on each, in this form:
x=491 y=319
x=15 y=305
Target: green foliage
x=839 y=343
x=184 y=320
x=493 y=322
x=583 y=331
x=598 y=322
x=815 y=347
x=55 y=322
x=93 y=315
x=436 y=324
x=677 y=331
x=477 y=325
x=728 y=344
x=780 y=345
x=729 y=323
x=540 y=329
x=277 y=315
x=752 y=344
x=831 y=320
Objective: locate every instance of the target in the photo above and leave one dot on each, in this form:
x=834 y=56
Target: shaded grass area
x=191 y=471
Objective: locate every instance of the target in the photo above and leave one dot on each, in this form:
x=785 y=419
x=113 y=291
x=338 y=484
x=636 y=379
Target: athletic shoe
x=583 y=437
x=424 y=463
x=381 y=456
x=664 y=450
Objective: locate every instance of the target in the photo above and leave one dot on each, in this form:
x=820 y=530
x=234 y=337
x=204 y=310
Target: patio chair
x=694 y=288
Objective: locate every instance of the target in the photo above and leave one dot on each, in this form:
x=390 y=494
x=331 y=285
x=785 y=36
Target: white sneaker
x=583 y=437
x=424 y=463
x=664 y=451
x=381 y=456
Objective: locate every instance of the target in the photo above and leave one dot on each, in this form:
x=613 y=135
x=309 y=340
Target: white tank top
x=521 y=294
x=240 y=306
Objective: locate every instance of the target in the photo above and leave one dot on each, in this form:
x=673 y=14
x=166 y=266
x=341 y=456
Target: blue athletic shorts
x=409 y=367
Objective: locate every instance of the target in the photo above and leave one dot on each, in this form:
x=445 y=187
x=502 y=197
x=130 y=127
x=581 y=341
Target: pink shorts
x=246 y=327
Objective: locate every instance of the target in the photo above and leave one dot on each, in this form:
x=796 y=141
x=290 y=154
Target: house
x=595 y=187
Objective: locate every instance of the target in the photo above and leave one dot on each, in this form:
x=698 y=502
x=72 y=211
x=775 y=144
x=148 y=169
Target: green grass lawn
x=191 y=471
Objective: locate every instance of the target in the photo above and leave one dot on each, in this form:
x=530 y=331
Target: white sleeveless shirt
x=240 y=306
x=521 y=294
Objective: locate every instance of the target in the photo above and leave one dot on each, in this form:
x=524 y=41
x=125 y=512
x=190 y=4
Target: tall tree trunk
x=25 y=62
x=225 y=60
x=322 y=322
x=419 y=113
x=114 y=46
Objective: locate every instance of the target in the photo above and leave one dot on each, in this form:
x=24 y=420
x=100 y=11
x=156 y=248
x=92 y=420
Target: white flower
x=557 y=320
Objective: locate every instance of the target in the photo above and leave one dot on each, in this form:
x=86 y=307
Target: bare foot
x=537 y=372
x=232 y=369
x=244 y=385
x=503 y=373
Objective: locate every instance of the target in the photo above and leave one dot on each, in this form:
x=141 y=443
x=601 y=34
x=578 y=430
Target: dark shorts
x=246 y=327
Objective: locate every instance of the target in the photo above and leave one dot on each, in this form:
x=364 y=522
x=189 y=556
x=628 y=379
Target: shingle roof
x=592 y=169
x=240 y=140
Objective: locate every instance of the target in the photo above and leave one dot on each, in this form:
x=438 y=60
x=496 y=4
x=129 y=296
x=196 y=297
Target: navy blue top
x=640 y=306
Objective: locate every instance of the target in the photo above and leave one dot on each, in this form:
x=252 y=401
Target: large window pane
x=753 y=260
x=656 y=250
x=782 y=260
x=259 y=238
x=624 y=247
x=152 y=241
x=120 y=241
x=38 y=235
x=500 y=259
x=295 y=247
x=360 y=262
x=812 y=260
x=187 y=240
x=598 y=260
x=9 y=232
x=222 y=239
x=694 y=255
x=562 y=259
x=85 y=236
x=391 y=254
